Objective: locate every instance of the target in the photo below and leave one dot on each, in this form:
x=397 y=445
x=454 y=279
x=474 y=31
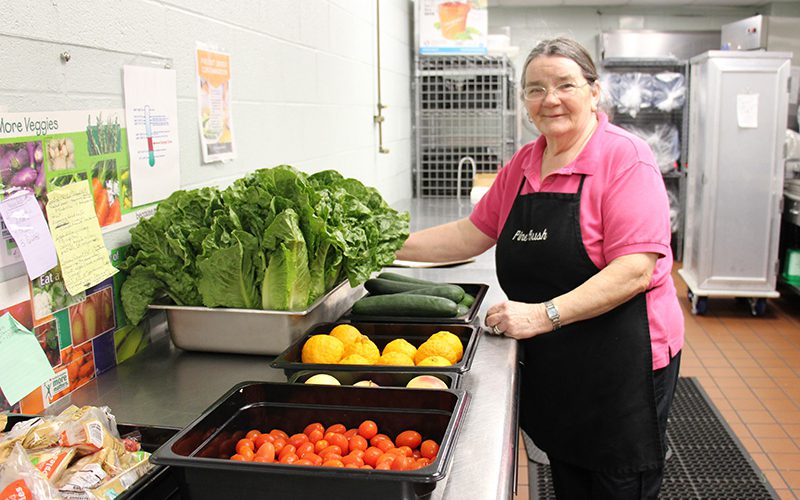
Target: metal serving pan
x=252 y=331
x=477 y=290
x=198 y=454
x=290 y=360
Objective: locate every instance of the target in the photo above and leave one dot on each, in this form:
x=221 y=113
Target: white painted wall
x=304 y=75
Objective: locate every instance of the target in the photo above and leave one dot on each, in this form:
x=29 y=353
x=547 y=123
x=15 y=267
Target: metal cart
x=465 y=115
x=737 y=114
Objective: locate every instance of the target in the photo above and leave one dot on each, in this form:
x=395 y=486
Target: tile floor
x=750 y=367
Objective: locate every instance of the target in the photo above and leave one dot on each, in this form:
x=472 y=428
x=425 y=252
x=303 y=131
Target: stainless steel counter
x=167 y=386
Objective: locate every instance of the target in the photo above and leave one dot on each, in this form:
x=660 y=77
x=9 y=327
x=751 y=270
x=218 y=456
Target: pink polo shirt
x=624 y=210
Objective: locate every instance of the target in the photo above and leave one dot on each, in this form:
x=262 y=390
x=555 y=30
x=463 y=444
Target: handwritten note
x=78 y=240
x=24 y=219
x=25 y=366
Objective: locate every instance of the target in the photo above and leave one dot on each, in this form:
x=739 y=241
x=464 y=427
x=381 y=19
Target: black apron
x=587 y=394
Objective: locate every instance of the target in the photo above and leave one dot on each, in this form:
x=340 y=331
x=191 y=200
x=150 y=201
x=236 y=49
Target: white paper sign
x=24 y=219
x=151 y=117
x=747 y=110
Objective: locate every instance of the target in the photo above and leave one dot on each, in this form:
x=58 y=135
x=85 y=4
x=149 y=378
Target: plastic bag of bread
x=14 y=436
x=19 y=479
x=52 y=462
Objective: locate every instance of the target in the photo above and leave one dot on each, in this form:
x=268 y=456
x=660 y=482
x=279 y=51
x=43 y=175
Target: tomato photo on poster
x=22 y=313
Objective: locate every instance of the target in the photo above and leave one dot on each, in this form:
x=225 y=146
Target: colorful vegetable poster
x=214 y=104
x=151 y=115
x=452 y=26
x=43 y=150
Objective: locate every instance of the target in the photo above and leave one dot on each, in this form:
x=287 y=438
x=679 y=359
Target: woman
x=580 y=218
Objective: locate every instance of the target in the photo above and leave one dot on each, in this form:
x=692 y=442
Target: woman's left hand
x=517 y=320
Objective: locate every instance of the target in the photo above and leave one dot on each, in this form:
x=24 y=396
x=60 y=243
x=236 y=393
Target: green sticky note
x=25 y=366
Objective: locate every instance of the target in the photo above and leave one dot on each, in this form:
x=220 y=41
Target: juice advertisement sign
x=452 y=26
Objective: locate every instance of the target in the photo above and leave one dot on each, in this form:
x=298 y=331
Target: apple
x=426 y=382
x=365 y=383
x=322 y=379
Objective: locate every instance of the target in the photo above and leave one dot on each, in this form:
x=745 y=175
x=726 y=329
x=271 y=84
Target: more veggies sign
x=44 y=150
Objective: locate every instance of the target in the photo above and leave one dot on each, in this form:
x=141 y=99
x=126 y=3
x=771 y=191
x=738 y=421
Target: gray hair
x=563 y=47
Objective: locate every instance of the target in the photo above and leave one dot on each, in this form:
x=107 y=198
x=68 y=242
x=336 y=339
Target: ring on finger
x=496 y=330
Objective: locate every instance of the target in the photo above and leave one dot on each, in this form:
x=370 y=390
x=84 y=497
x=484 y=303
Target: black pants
x=573 y=482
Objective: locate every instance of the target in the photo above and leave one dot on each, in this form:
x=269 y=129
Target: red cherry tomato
x=244 y=443
x=400 y=463
x=350 y=433
x=287 y=450
x=358 y=442
x=368 y=429
x=298 y=439
x=252 y=435
x=239 y=458
x=277 y=433
x=288 y=458
x=339 y=440
x=320 y=445
x=379 y=437
x=429 y=448
x=305 y=448
x=412 y=439
x=267 y=450
x=315 y=426
x=333 y=463
x=371 y=455
x=303 y=461
x=263 y=438
x=315 y=435
x=313 y=458
x=264 y=460
x=339 y=428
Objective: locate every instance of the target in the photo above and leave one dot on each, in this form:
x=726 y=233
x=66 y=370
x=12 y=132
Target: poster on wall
x=151 y=116
x=41 y=151
x=452 y=26
x=214 y=104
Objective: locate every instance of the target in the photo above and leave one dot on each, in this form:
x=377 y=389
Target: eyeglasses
x=536 y=94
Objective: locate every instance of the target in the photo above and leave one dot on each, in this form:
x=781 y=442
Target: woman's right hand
x=518 y=320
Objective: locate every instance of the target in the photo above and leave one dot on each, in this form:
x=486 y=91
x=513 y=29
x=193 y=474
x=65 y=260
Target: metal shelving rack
x=675 y=181
x=465 y=121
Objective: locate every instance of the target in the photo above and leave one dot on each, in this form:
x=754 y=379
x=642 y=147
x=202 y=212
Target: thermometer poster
x=151 y=117
x=214 y=104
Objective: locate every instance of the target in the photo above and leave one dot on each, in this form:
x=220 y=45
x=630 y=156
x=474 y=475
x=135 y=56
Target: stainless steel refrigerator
x=737 y=117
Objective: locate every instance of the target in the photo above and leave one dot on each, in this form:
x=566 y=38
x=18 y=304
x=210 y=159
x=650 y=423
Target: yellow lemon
x=452 y=340
x=365 y=348
x=436 y=347
x=434 y=361
x=395 y=359
x=354 y=359
x=346 y=333
x=322 y=349
x=401 y=346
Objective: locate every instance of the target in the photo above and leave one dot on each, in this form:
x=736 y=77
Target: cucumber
x=380 y=286
x=462 y=310
x=452 y=292
x=424 y=306
x=467 y=300
x=406 y=279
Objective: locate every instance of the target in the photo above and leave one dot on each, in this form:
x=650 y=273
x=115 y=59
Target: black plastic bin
x=381 y=334
x=477 y=290
x=383 y=379
x=156 y=484
x=192 y=453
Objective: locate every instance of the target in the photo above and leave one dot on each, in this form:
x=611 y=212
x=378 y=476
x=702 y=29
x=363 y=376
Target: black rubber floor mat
x=706 y=459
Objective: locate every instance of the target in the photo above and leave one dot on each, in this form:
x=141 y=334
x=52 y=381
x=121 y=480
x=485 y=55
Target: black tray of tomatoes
x=276 y=438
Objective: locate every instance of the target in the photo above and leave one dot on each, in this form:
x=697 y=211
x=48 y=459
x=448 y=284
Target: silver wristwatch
x=552 y=313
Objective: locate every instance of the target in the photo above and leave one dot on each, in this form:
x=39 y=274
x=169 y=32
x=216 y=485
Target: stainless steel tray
x=252 y=331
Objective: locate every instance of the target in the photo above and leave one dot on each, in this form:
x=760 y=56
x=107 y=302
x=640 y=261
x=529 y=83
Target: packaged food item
x=52 y=462
x=138 y=463
x=19 y=479
x=15 y=435
x=45 y=433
